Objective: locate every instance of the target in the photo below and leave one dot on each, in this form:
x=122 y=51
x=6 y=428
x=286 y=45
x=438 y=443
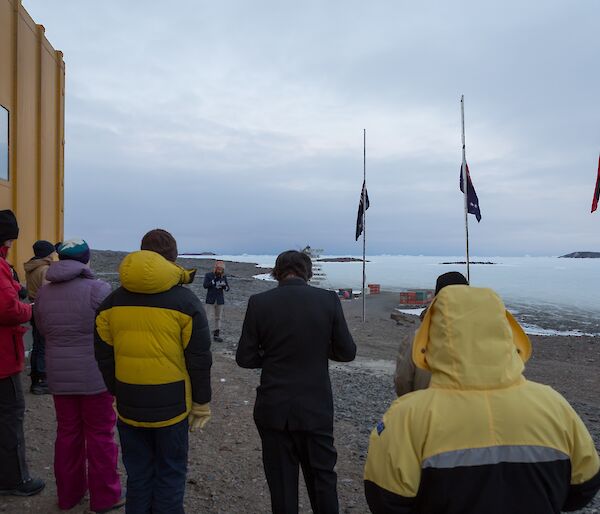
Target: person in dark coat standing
x=291 y=332
x=14 y=476
x=216 y=282
x=35 y=276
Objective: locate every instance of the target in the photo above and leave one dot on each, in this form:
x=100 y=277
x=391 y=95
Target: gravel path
x=225 y=473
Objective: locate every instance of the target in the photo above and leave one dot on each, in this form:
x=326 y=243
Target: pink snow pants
x=85 y=435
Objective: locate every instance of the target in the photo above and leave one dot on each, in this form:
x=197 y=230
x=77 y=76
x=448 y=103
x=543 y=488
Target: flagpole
x=364 y=223
x=465 y=180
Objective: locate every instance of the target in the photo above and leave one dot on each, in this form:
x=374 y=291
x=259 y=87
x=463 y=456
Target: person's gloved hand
x=199 y=415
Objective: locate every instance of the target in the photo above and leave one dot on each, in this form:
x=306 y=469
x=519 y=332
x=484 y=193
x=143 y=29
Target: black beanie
x=452 y=278
x=43 y=248
x=8 y=226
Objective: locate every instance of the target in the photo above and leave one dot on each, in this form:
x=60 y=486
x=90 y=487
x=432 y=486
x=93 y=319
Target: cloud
x=238 y=125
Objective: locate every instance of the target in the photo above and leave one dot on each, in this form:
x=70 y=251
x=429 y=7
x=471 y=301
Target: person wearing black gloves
x=216 y=282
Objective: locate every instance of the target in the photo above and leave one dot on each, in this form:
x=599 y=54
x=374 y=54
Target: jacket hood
x=34 y=263
x=469 y=341
x=63 y=271
x=150 y=273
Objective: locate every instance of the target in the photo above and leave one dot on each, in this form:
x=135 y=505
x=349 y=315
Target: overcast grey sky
x=237 y=125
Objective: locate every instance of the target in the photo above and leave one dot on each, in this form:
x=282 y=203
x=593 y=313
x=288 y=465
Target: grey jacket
x=408 y=377
x=65 y=312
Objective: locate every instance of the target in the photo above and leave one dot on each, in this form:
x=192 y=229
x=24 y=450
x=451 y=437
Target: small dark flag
x=364 y=196
x=472 y=200
x=597 y=190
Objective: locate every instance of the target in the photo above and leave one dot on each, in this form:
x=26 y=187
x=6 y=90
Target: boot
x=39 y=386
x=28 y=487
x=216 y=337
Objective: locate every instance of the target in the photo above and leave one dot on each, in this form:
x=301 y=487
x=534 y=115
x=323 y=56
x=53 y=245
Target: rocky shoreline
x=225 y=469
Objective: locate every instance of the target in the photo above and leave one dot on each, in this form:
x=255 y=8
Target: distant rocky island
x=581 y=255
x=340 y=259
x=198 y=254
x=470 y=262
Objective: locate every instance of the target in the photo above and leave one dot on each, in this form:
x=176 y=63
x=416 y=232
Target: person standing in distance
x=291 y=332
x=14 y=475
x=216 y=282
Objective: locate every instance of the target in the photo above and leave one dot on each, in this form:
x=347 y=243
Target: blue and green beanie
x=74 y=250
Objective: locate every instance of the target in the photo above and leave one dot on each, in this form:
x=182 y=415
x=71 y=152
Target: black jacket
x=215 y=286
x=290 y=332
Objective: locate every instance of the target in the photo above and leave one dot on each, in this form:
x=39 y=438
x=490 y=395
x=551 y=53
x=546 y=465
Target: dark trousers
x=283 y=451
x=38 y=355
x=13 y=468
x=156 y=464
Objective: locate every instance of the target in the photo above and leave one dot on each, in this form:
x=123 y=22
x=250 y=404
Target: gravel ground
x=225 y=470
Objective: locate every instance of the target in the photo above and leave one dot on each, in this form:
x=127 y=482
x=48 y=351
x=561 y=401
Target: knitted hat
x=161 y=242
x=43 y=248
x=8 y=226
x=74 y=250
x=452 y=278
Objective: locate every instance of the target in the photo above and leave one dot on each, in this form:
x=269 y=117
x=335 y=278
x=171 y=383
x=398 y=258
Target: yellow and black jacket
x=482 y=438
x=153 y=343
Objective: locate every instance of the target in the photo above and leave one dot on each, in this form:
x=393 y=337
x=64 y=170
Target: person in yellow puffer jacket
x=153 y=349
x=481 y=438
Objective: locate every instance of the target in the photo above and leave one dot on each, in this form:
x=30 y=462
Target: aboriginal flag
x=472 y=200
x=364 y=197
x=597 y=190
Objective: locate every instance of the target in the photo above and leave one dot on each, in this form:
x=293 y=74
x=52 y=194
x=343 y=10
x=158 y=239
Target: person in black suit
x=291 y=332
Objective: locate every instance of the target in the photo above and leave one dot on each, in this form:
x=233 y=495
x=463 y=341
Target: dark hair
x=162 y=242
x=452 y=278
x=292 y=262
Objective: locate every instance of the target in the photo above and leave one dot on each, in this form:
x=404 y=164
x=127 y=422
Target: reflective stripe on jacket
x=481 y=438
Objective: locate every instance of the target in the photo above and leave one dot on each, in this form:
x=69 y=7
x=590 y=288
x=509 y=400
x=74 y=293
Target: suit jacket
x=290 y=332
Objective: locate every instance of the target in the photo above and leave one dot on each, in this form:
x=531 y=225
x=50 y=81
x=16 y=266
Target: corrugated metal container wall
x=32 y=92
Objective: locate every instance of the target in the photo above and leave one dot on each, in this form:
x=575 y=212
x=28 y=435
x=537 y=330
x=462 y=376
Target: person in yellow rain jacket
x=481 y=438
x=153 y=349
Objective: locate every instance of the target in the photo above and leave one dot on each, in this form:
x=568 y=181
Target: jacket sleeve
x=198 y=358
x=585 y=467
x=103 y=346
x=12 y=310
x=99 y=293
x=393 y=468
x=404 y=376
x=227 y=288
x=342 y=347
x=208 y=281
x=249 y=353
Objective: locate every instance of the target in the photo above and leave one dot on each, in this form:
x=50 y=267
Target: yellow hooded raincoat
x=481 y=438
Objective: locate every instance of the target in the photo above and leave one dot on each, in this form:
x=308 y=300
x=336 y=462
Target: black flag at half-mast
x=364 y=197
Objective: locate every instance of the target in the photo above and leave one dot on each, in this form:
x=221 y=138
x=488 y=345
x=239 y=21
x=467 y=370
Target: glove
x=199 y=415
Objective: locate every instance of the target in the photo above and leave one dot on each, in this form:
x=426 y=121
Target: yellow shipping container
x=32 y=100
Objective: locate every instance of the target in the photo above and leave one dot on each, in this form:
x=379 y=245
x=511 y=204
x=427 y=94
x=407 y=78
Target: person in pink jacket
x=14 y=475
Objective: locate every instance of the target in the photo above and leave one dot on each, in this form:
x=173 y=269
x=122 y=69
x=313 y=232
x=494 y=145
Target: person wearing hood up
x=153 y=349
x=35 y=277
x=14 y=475
x=215 y=282
x=85 y=452
x=407 y=377
x=481 y=438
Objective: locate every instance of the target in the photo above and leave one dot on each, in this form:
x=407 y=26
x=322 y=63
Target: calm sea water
x=547 y=294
